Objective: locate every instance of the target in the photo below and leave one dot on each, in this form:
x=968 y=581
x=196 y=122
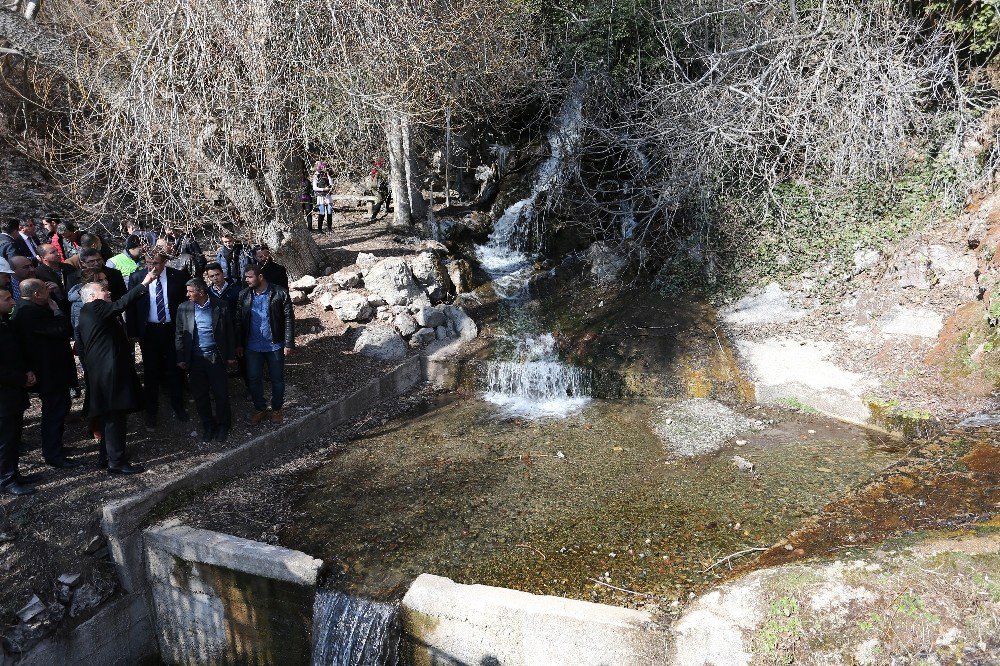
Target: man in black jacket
x=91 y=258
x=206 y=346
x=15 y=380
x=150 y=321
x=43 y=328
x=266 y=334
x=51 y=269
x=272 y=272
x=112 y=386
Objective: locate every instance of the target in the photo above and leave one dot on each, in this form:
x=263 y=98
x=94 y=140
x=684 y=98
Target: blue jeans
x=255 y=377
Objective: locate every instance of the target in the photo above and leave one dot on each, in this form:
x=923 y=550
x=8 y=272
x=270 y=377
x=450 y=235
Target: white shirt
x=160 y=283
x=31 y=244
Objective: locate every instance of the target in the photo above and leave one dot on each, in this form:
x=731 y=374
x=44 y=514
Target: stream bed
x=591 y=506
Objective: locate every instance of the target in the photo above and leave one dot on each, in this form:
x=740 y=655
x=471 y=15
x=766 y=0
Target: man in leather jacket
x=265 y=327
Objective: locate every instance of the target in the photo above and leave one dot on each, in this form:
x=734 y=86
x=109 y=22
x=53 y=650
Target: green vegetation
x=796 y=404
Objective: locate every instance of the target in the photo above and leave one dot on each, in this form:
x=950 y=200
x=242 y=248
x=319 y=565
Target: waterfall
x=536 y=383
x=520 y=230
x=352 y=631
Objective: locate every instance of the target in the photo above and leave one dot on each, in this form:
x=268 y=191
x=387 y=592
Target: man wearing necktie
x=150 y=321
x=25 y=244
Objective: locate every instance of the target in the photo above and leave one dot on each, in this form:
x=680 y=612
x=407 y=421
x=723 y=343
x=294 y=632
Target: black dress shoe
x=29 y=478
x=182 y=415
x=127 y=469
x=63 y=463
x=15 y=488
x=222 y=433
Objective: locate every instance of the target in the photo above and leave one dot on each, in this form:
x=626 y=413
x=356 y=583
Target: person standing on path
x=127 y=261
x=15 y=380
x=45 y=332
x=322 y=185
x=206 y=347
x=273 y=272
x=266 y=334
x=150 y=321
x=113 y=388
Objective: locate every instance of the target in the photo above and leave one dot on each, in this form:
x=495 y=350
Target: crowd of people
x=69 y=306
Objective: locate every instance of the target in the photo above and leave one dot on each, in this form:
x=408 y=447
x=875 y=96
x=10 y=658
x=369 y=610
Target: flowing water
x=354 y=631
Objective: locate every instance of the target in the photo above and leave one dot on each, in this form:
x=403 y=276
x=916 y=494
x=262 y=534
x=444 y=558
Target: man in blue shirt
x=206 y=345
x=266 y=326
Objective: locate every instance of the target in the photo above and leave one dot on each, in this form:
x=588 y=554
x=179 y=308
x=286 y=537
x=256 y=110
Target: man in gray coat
x=206 y=347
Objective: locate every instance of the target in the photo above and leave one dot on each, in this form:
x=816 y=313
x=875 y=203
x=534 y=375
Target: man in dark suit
x=206 y=346
x=91 y=258
x=112 y=386
x=150 y=320
x=15 y=380
x=24 y=241
x=52 y=270
x=44 y=329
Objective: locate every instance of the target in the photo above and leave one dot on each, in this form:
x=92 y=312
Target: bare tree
x=195 y=112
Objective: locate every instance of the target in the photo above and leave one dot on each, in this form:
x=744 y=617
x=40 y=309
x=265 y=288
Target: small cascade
x=520 y=230
x=353 y=631
x=536 y=383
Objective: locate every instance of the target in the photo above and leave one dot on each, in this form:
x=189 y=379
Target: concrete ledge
x=123 y=520
x=120 y=633
x=251 y=557
x=449 y=623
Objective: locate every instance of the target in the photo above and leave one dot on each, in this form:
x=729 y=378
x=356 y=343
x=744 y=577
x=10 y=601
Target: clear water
x=565 y=506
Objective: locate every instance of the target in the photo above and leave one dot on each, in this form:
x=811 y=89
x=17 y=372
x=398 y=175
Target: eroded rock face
x=381 y=342
x=348 y=306
x=393 y=281
x=460 y=274
x=423 y=337
x=770 y=306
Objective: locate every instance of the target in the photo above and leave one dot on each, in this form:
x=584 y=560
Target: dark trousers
x=55 y=408
x=11 y=425
x=209 y=381
x=159 y=364
x=113 y=438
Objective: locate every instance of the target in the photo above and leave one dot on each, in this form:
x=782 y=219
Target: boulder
x=460 y=275
x=441 y=332
x=423 y=337
x=365 y=261
x=350 y=307
x=298 y=297
x=950 y=266
x=381 y=342
x=348 y=278
x=461 y=322
x=430 y=317
x=606 y=264
x=305 y=284
x=865 y=259
x=430 y=274
x=405 y=324
x=913 y=272
x=376 y=301
x=393 y=280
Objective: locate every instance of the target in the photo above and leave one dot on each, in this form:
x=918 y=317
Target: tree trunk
x=404 y=173
x=397 y=171
x=287 y=230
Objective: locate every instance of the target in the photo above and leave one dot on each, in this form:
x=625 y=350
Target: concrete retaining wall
x=222 y=599
x=449 y=623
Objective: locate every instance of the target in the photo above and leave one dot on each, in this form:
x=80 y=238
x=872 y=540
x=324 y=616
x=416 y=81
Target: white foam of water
x=536 y=383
